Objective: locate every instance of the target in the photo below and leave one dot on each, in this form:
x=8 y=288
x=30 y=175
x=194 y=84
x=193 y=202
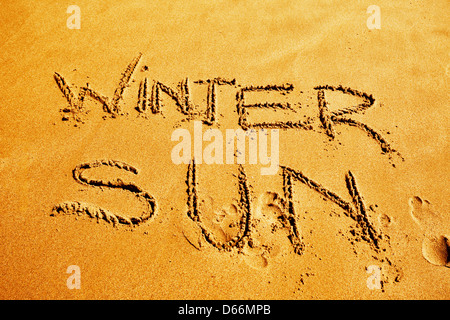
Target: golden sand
x=356 y=210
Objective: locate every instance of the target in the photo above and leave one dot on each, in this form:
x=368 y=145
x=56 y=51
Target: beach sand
x=358 y=208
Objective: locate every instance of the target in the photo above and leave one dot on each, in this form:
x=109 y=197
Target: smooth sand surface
x=357 y=210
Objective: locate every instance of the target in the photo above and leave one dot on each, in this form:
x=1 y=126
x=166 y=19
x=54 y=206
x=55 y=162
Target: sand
x=358 y=208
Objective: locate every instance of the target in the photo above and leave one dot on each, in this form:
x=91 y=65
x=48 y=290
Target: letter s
x=99 y=213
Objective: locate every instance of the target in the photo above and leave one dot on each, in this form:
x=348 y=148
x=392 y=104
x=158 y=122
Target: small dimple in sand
x=436 y=231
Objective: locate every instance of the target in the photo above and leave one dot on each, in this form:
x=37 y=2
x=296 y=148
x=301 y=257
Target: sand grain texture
x=87 y=179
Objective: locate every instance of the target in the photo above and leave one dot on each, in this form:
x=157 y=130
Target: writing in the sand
x=356 y=209
x=149 y=100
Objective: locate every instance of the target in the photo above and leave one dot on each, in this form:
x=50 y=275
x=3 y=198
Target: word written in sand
x=355 y=209
x=150 y=101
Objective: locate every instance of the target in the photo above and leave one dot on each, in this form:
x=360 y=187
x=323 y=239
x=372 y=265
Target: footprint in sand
x=270 y=220
x=270 y=229
x=223 y=221
x=436 y=230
